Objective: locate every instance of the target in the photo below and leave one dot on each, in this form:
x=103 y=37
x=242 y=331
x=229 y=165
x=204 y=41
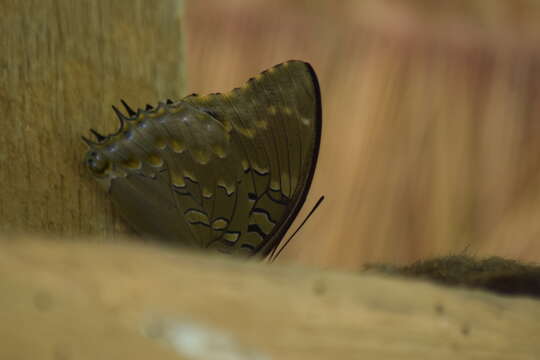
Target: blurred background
x=431 y=119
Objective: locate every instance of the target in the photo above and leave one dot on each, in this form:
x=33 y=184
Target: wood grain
x=63 y=64
x=90 y=300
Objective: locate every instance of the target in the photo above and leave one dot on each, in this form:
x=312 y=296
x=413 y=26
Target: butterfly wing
x=223 y=171
x=275 y=119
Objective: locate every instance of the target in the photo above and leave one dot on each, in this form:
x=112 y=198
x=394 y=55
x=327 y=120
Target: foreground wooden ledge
x=95 y=300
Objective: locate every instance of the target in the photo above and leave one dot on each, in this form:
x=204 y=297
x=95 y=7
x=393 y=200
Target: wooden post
x=63 y=64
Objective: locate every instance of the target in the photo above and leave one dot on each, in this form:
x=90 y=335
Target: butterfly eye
x=96 y=162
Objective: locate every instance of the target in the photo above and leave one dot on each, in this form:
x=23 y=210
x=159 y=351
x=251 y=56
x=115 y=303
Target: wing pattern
x=222 y=171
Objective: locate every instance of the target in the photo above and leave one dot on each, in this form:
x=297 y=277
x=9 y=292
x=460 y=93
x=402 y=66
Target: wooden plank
x=90 y=300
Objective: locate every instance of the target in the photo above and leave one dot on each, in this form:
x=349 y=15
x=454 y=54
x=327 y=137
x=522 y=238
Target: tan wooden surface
x=63 y=64
x=95 y=300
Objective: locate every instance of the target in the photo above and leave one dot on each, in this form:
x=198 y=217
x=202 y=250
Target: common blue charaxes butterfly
x=227 y=172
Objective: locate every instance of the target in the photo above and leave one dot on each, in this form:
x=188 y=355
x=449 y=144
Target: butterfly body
x=227 y=172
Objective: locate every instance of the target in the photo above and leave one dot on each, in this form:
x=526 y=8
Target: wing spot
x=219 y=151
x=206 y=193
x=220 y=224
x=305 y=121
x=178 y=181
x=229 y=188
x=272 y=110
x=261 y=170
x=177 y=146
x=188 y=174
x=155 y=160
x=194 y=216
x=249 y=133
x=231 y=236
x=120 y=173
x=274 y=185
x=287 y=110
x=200 y=156
x=261 y=124
x=263 y=222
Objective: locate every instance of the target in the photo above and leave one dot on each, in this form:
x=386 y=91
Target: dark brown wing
x=224 y=171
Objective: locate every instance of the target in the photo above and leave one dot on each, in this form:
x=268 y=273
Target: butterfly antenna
x=273 y=255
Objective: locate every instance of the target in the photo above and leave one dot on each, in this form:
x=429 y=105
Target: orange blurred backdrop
x=431 y=119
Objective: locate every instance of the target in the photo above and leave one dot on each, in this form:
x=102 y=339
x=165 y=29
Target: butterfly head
x=97 y=162
x=100 y=166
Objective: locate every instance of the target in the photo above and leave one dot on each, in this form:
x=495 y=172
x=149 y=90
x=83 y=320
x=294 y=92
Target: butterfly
x=224 y=172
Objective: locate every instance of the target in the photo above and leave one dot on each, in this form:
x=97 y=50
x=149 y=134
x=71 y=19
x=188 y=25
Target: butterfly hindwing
x=275 y=117
x=222 y=171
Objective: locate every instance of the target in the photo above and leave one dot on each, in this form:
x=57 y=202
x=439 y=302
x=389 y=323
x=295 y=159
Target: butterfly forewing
x=223 y=171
